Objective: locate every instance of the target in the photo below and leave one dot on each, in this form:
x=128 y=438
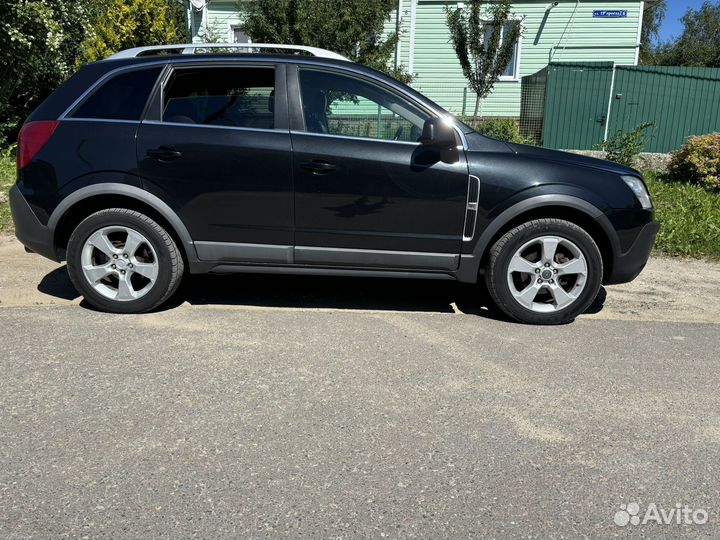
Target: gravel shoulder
x=669 y=289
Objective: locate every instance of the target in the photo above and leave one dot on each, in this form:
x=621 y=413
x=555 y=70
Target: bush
x=504 y=129
x=39 y=42
x=698 y=162
x=625 y=147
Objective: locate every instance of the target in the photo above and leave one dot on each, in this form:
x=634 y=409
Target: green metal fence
x=587 y=102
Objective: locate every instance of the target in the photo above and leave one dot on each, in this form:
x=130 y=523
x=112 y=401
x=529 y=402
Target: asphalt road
x=328 y=419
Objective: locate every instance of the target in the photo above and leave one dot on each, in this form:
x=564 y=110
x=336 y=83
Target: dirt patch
x=669 y=289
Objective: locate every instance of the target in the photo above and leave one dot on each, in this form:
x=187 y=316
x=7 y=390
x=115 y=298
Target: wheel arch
x=85 y=201
x=568 y=208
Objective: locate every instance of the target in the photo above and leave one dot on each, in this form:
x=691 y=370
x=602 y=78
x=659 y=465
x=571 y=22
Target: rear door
x=366 y=192
x=216 y=143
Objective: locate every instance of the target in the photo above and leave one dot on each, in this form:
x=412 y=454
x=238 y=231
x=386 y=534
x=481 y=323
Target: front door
x=366 y=192
x=220 y=151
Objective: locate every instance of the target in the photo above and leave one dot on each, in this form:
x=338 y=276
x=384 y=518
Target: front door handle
x=317 y=166
x=164 y=153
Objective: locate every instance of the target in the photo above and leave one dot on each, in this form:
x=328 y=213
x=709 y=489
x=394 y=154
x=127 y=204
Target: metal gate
x=587 y=102
x=576 y=104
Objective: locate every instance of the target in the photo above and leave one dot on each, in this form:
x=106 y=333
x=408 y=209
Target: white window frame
x=234 y=27
x=515 y=77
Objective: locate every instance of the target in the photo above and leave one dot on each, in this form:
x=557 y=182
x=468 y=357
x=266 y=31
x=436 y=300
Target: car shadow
x=320 y=292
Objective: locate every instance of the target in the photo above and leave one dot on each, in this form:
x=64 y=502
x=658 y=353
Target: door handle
x=164 y=153
x=317 y=166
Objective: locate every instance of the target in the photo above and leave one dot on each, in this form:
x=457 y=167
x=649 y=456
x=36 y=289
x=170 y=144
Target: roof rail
x=190 y=48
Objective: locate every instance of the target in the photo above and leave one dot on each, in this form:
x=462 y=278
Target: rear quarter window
x=123 y=97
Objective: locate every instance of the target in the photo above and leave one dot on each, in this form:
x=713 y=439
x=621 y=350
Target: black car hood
x=568 y=158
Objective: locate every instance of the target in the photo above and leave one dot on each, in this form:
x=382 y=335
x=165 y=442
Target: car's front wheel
x=545 y=271
x=122 y=261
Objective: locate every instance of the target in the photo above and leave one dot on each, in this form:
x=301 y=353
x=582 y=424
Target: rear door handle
x=164 y=153
x=317 y=166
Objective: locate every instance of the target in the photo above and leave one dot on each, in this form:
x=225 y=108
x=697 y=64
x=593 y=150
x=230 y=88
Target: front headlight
x=640 y=191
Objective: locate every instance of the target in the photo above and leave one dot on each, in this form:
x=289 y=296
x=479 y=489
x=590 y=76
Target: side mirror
x=438 y=134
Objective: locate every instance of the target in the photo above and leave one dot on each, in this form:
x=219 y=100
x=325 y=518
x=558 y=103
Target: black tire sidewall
x=149 y=229
x=499 y=262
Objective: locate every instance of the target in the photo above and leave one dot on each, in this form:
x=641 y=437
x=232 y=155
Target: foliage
x=504 y=129
x=689 y=218
x=653 y=16
x=39 y=41
x=353 y=29
x=7 y=179
x=625 y=147
x=123 y=24
x=484 y=41
x=698 y=162
x=699 y=44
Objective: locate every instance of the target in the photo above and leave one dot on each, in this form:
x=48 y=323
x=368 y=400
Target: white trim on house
x=411 y=51
x=639 y=32
x=398 y=29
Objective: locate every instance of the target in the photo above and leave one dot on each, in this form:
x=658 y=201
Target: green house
x=558 y=31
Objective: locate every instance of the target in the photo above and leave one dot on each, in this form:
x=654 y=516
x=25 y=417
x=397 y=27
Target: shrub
x=698 y=162
x=625 y=147
x=504 y=129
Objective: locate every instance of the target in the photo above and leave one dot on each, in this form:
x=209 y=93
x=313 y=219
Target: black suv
x=141 y=167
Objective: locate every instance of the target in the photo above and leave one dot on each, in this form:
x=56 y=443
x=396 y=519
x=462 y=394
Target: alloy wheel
x=547 y=274
x=119 y=263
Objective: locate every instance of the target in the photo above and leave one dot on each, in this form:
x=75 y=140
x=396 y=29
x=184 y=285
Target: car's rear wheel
x=122 y=261
x=545 y=271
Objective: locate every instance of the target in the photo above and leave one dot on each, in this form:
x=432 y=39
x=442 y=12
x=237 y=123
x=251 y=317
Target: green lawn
x=689 y=219
x=7 y=179
x=689 y=215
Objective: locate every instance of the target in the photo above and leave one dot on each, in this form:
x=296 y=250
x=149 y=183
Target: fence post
x=379 y=121
x=464 y=101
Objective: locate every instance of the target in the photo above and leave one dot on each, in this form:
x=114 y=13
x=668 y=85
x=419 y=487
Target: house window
x=238 y=36
x=512 y=70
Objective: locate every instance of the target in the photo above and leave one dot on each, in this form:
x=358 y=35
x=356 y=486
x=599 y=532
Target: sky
x=672 y=27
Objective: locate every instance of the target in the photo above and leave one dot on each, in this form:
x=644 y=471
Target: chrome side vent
x=472 y=208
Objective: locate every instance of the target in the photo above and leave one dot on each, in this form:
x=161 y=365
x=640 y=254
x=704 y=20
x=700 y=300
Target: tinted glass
x=344 y=105
x=236 y=97
x=123 y=97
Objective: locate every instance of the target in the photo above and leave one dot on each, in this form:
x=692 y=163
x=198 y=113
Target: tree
x=39 y=42
x=653 y=16
x=123 y=24
x=699 y=44
x=352 y=28
x=484 y=41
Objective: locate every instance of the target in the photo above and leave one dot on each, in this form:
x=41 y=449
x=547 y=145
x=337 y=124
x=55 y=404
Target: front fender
x=470 y=262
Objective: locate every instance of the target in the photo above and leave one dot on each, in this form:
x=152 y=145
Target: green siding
x=586 y=39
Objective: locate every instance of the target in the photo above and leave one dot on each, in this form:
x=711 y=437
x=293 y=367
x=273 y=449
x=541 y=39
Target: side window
x=123 y=97
x=221 y=96
x=343 y=105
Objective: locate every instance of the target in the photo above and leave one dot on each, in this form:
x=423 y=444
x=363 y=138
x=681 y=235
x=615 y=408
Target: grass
x=7 y=179
x=689 y=218
x=689 y=215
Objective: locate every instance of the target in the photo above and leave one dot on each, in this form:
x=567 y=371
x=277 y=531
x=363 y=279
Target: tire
x=96 y=261
x=543 y=289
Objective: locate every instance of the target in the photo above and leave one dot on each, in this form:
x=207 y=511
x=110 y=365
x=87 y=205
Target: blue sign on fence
x=610 y=13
